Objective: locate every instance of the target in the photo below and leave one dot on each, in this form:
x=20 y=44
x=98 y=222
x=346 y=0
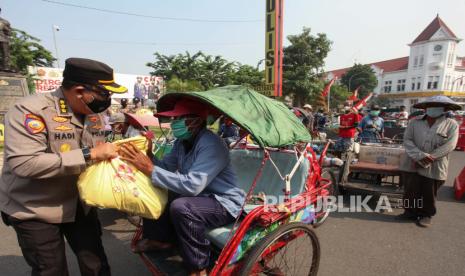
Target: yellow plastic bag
x=118 y=185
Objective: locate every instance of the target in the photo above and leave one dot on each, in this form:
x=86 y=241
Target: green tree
x=215 y=71
x=26 y=50
x=177 y=85
x=247 y=75
x=209 y=71
x=338 y=95
x=360 y=75
x=303 y=62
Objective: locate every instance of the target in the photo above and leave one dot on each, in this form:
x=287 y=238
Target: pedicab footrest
x=367 y=166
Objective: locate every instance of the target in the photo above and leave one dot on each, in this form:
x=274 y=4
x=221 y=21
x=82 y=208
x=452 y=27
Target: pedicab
x=374 y=168
x=282 y=177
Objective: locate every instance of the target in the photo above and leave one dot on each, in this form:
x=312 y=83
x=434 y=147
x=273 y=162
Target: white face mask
x=434 y=112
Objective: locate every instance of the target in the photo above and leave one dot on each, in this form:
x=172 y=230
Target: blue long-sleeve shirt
x=372 y=128
x=205 y=170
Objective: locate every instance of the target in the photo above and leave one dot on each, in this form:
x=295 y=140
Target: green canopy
x=270 y=122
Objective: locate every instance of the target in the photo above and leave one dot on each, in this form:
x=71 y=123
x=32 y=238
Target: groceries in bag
x=118 y=185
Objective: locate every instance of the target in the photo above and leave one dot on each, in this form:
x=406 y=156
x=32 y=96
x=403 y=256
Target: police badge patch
x=34 y=124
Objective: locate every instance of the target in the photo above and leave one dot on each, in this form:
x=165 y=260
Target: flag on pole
x=362 y=102
x=327 y=88
x=354 y=96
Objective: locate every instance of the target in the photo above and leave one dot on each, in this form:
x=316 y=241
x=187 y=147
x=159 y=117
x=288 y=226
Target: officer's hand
x=128 y=152
x=103 y=151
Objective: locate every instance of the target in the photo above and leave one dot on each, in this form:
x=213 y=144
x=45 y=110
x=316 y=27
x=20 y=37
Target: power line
x=156 y=43
x=156 y=17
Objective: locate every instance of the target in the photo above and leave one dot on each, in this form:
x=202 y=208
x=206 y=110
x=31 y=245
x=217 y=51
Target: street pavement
x=351 y=243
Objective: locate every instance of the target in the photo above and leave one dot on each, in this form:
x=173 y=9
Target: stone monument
x=13 y=85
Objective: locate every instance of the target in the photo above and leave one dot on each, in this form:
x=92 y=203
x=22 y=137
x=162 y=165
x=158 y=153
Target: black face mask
x=98 y=106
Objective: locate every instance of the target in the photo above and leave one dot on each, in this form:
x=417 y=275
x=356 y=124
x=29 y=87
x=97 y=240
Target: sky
x=361 y=31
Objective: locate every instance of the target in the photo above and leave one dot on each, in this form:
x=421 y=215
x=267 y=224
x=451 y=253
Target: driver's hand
x=137 y=158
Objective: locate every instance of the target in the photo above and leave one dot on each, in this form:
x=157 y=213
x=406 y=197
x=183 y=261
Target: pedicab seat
x=246 y=164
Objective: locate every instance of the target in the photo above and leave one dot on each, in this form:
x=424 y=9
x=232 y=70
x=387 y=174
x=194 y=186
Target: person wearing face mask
x=371 y=127
x=50 y=139
x=428 y=140
x=203 y=186
x=348 y=123
x=229 y=131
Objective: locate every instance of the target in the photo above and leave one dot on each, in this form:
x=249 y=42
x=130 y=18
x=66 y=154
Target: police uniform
x=43 y=157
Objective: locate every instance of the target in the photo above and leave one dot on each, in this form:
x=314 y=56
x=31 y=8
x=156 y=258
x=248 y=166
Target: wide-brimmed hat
x=308 y=106
x=91 y=72
x=437 y=101
x=186 y=107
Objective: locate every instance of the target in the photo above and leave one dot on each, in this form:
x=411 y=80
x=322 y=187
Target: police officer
x=50 y=138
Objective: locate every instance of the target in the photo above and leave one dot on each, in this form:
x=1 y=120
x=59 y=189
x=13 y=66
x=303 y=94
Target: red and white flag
x=325 y=91
x=362 y=102
x=354 y=96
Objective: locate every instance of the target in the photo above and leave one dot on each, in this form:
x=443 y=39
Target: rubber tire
x=333 y=192
x=256 y=252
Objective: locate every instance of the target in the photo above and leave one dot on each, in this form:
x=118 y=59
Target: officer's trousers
x=43 y=246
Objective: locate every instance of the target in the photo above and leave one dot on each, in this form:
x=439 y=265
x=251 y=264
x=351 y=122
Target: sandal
x=150 y=245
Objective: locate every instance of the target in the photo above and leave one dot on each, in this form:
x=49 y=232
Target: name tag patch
x=63 y=136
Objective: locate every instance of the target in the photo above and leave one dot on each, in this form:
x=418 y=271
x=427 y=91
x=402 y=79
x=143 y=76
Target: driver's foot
x=150 y=245
x=202 y=272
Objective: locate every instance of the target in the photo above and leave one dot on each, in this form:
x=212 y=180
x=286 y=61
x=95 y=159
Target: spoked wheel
x=292 y=249
x=333 y=190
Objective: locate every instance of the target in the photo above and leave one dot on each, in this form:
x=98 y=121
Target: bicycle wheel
x=333 y=190
x=292 y=249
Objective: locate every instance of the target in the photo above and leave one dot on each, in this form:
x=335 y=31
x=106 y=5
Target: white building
x=432 y=68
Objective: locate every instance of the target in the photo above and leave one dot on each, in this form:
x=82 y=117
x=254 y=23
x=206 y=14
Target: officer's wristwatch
x=86 y=153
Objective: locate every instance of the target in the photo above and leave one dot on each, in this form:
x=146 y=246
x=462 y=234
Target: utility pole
x=55 y=29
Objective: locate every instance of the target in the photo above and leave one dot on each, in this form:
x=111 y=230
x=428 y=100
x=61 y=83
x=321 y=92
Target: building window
x=421 y=61
x=413 y=83
x=400 y=85
x=387 y=86
x=430 y=82
x=447 y=83
x=415 y=62
x=419 y=83
x=449 y=60
x=435 y=82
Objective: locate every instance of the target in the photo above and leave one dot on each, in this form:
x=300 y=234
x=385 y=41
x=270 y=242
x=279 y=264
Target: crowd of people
x=51 y=138
x=428 y=138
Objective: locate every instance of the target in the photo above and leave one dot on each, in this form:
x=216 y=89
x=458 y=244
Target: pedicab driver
x=50 y=138
x=428 y=140
x=202 y=184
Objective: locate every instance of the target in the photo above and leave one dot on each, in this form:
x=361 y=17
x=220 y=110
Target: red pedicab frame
x=265 y=215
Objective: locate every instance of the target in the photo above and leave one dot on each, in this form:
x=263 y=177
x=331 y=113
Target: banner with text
x=47 y=79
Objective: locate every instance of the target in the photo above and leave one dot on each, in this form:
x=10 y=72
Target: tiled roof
x=432 y=28
x=390 y=65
